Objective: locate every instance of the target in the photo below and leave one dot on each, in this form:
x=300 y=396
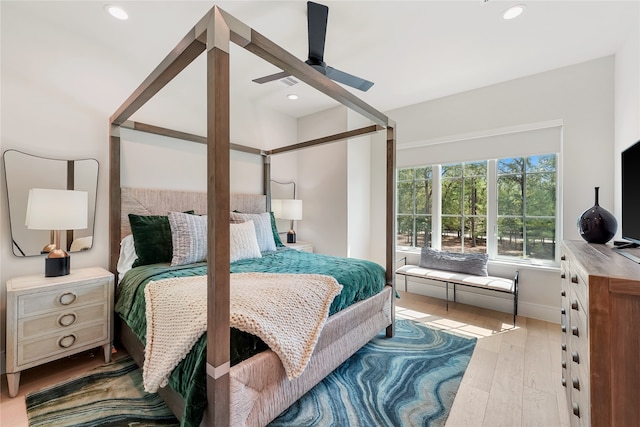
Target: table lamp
x=56 y=210
x=288 y=209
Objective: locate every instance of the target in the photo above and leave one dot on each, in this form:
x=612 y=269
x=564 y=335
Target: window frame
x=492 y=211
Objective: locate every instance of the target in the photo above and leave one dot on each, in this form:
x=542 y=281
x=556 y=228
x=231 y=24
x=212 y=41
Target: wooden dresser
x=600 y=320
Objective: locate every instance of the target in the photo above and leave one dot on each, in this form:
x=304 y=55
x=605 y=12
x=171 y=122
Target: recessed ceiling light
x=292 y=96
x=117 y=12
x=513 y=11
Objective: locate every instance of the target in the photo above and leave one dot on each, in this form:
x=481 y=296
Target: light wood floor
x=513 y=378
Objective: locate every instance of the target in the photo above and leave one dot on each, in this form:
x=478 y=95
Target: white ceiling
x=414 y=51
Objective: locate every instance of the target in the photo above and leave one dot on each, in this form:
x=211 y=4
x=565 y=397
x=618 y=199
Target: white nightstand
x=52 y=317
x=300 y=246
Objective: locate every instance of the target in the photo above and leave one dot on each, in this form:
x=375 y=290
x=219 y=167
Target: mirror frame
x=14 y=222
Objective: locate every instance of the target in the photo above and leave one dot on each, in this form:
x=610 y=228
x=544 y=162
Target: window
x=414 y=206
x=514 y=197
x=464 y=207
x=526 y=226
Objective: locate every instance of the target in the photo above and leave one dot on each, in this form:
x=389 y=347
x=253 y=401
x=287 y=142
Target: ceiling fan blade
x=272 y=77
x=348 y=79
x=317 y=15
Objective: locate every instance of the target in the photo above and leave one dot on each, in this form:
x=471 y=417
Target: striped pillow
x=189 y=238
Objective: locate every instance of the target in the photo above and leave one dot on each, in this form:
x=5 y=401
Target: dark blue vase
x=596 y=224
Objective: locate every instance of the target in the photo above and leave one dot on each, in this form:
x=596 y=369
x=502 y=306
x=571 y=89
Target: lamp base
x=291 y=236
x=54 y=267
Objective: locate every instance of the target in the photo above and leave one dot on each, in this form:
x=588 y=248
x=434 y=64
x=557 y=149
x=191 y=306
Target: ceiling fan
x=317 y=15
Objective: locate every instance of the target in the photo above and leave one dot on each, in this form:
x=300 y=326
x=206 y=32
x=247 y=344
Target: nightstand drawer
x=61 y=321
x=91 y=292
x=63 y=342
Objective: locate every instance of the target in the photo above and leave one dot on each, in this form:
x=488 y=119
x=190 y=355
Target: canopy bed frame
x=212 y=35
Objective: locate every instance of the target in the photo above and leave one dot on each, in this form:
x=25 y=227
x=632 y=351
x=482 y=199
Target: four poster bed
x=251 y=389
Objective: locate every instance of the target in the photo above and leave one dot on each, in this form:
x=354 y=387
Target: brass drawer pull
x=564 y=364
x=67 y=319
x=563 y=258
x=563 y=293
x=562 y=276
x=564 y=347
x=574 y=278
x=575 y=357
x=563 y=311
x=574 y=305
x=576 y=409
x=67 y=341
x=564 y=328
x=574 y=331
x=67 y=298
x=564 y=382
x=576 y=383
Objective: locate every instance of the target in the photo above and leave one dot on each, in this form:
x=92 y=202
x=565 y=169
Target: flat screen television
x=630 y=200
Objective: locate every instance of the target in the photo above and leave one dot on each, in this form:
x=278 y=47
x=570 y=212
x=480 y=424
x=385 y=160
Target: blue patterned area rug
x=409 y=380
x=111 y=395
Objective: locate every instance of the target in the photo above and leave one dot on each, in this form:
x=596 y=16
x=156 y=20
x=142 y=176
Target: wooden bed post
x=114 y=198
x=218 y=208
x=391 y=221
x=266 y=177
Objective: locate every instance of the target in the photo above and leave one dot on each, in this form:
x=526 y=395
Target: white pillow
x=189 y=238
x=127 y=256
x=262 y=224
x=243 y=241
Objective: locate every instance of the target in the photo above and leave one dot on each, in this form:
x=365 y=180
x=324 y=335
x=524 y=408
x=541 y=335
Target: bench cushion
x=489 y=282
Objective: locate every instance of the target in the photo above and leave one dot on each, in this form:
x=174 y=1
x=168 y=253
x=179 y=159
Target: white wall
x=322 y=175
x=152 y=161
x=579 y=96
x=335 y=185
x=627 y=107
x=358 y=189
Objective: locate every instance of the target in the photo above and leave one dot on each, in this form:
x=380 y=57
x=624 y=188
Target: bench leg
x=405 y=283
x=454 y=292
x=515 y=297
x=447 y=304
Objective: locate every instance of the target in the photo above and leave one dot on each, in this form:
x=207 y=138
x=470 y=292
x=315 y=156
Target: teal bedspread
x=360 y=280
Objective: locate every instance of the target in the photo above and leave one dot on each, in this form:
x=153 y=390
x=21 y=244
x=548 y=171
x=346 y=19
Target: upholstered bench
x=481 y=280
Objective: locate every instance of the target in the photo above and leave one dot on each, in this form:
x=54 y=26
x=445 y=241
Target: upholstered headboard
x=144 y=201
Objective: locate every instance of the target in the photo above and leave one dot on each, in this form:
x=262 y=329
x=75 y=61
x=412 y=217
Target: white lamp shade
x=276 y=208
x=290 y=209
x=50 y=209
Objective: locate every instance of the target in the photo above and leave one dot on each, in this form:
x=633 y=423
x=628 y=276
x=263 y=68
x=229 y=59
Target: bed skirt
x=260 y=390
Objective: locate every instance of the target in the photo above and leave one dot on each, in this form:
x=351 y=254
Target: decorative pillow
x=475 y=264
x=188 y=237
x=152 y=238
x=276 y=235
x=243 y=241
x=127 y=256
x=262 y=224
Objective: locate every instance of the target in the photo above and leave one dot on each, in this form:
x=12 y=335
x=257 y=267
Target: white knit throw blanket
x=287 y=311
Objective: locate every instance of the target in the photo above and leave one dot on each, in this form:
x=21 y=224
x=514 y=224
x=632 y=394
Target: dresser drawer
x=90 y=292
x=68 y=341
x=579 y=407
x=578 y=284
x=61 y=321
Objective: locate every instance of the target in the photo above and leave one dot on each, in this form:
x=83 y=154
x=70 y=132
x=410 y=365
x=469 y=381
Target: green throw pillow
x=151 y=238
